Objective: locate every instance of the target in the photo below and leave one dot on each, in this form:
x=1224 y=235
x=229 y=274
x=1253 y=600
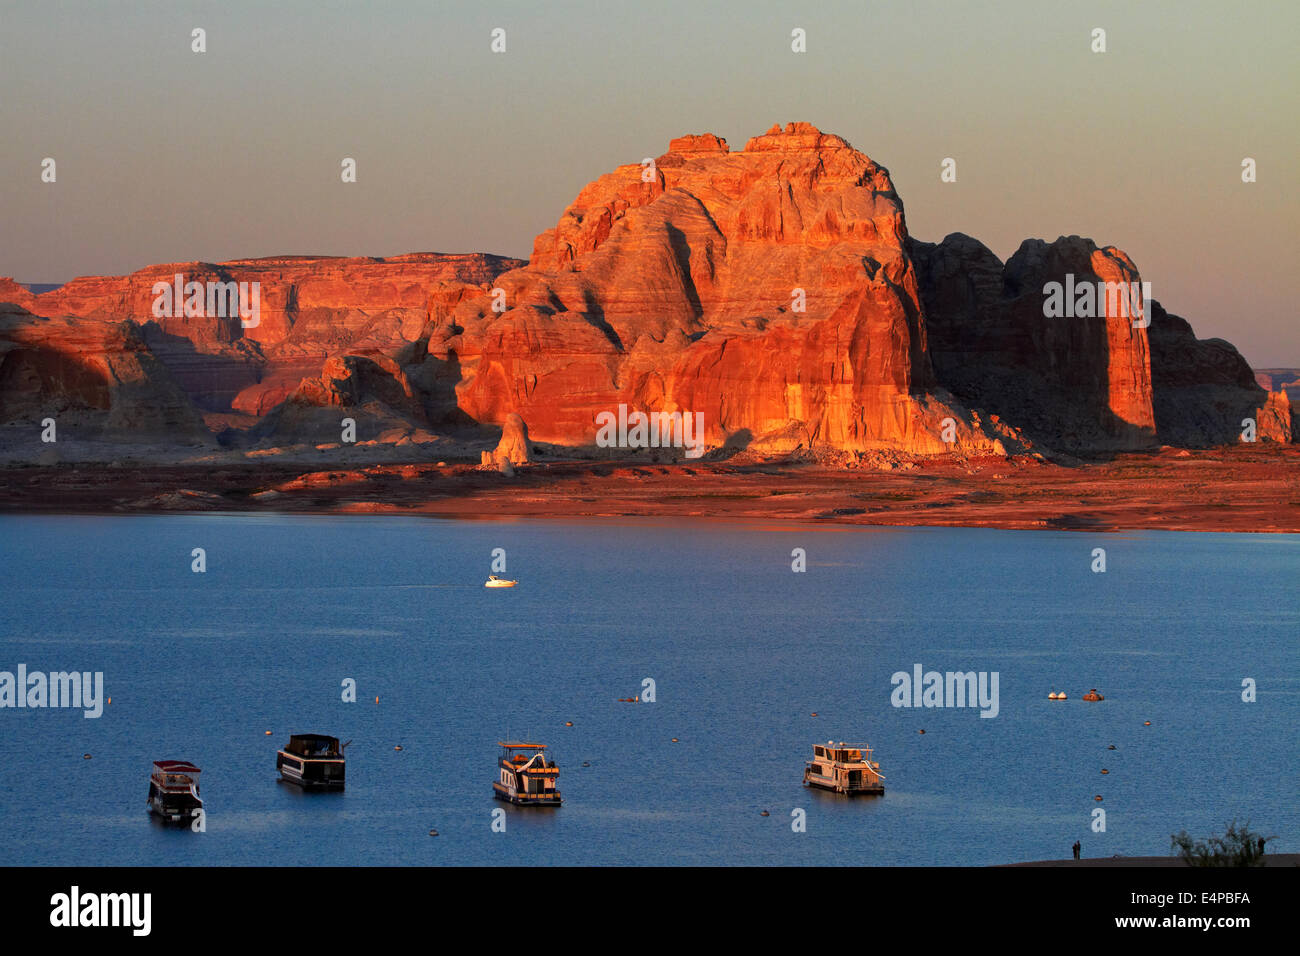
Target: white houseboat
x=843 y=768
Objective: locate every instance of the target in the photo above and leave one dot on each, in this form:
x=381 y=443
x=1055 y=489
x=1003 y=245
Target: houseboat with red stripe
x=174 y=791
x=526 y=776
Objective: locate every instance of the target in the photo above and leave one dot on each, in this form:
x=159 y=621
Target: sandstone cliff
x=772 y=291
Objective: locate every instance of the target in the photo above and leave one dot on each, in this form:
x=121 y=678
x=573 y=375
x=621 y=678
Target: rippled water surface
x=742 y=651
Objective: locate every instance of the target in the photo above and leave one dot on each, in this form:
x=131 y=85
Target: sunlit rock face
x=766 y=290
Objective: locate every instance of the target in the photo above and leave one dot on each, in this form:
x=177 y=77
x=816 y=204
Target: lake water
x=741 y=649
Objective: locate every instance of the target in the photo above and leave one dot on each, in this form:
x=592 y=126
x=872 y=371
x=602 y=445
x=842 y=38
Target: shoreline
x=1163 y=862
x=1231 y=490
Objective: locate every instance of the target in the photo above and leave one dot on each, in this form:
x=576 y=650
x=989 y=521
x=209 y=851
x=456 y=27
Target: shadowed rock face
x=773 y=291
x=1204 y=389
x=1078 y=382
x=96 y=378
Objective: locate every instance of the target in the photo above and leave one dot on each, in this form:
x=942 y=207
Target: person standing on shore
x=1076 y=849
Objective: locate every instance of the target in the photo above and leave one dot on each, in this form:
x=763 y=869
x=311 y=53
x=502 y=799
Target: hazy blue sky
x=167 y=155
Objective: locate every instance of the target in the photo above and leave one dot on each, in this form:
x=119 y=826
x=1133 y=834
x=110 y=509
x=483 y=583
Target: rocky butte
x=774 y=290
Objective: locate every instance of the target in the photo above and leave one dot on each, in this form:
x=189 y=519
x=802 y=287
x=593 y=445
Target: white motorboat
x=495 y=582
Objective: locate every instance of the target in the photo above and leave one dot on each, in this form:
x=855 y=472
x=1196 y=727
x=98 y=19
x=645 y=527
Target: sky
x=167 y=155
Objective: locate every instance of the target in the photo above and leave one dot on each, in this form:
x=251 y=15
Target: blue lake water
x=742 y=651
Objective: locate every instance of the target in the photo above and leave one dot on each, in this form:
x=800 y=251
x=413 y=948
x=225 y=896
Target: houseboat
x=495 y=582
x=525 y=776
x=312 y=761
x=174 y=791
x=843 y=768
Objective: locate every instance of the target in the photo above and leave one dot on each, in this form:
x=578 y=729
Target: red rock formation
x=310 y=308
x=773 y=291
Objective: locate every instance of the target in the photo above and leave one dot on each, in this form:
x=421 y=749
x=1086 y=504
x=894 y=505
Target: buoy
x=1111 y=747
x=376 y=699
x=674 y=740
x=920 y=731
x=1104 y=770
x=110 y=700
x=85 y=756
x=568 y=723
x=765 y=814
x=586 y=763
x=1097 y=798
x=1146 y=723
x=433 y=833
x=268 y=733
x=814 y=713
x=398 y=747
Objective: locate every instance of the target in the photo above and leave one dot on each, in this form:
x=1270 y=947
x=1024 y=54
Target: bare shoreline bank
x=1163 y=862
x=1224 y=490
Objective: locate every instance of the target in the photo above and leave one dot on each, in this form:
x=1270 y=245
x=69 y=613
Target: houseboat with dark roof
x=312 y=761
x=526 y=776
x=174 y=791
x=844 y=768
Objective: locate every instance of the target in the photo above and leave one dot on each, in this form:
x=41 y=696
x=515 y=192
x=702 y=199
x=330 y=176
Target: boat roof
x=314 y=738
x=176 y=766
x=843 y=746
x=519 y=745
